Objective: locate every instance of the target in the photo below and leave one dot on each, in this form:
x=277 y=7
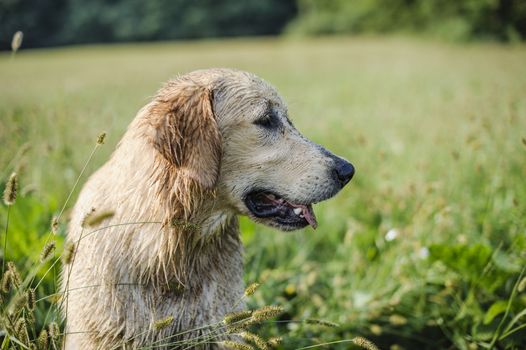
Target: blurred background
x=64 y=22
x=425 y=249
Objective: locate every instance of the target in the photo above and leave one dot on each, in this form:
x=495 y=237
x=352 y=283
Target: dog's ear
x=187 y=134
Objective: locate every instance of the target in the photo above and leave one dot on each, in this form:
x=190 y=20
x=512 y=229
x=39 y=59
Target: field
x=426 y=249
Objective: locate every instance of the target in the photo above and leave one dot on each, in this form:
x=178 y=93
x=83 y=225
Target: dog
x=210 y=146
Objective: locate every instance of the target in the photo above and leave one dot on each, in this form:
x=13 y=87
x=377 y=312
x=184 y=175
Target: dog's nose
x=343 y=171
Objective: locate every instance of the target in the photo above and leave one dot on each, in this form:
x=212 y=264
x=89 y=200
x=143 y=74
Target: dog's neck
x=195 y=235
x=214 y=224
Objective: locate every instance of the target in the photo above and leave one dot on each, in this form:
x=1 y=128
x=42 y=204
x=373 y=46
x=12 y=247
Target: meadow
x=425 y=249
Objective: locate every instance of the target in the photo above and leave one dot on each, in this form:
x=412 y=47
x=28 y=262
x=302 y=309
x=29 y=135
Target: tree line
x=63 y=22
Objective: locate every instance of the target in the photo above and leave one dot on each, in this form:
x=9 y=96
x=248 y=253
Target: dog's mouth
x=283 y=213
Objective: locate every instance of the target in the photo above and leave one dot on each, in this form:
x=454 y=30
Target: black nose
x=343 y=171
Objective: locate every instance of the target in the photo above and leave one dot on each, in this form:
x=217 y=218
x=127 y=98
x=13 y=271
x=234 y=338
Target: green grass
x=434 y=131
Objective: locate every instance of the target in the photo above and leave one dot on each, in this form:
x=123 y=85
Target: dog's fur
x=176 y=183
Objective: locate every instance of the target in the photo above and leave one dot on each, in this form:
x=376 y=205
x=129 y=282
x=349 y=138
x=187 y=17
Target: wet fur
x=176 y=182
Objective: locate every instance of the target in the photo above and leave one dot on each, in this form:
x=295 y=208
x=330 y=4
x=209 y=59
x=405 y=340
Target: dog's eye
x=268 y=121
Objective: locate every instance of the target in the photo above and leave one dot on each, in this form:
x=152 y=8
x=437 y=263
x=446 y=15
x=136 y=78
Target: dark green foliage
x=457 y=20
x=41 y=21
x=49 y=22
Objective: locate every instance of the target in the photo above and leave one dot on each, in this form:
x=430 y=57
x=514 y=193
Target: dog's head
x=229 y=130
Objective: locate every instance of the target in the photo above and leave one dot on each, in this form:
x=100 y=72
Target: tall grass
x=425 y=249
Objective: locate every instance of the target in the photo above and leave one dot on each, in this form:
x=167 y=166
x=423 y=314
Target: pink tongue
x=309 y=216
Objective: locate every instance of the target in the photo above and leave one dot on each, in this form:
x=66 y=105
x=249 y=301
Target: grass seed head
x=7 y=281
x=397 y=320
x=10 y=190
x=53 y=330
x=251 y=289
x=163 y=323
x=55 y=298
x=235 y=329
x=234 y=317
x=20 y=329
x=364 y=343
x=323 y=323
x=42 y=340
x=54 y=225
x=16 y=279
x=47 y=251
x=31 y=299
x=30 y=318
x=69 y=252
x=236 y=346
x=522 y=285
x=92 y=219
x=255 y=339
x=16 y=42
x=101 y=138
x=19 y=302
x=266 y=312
x=275 y=341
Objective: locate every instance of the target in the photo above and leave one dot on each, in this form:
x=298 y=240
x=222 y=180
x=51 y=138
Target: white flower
x=391 y=234
x=423 y=253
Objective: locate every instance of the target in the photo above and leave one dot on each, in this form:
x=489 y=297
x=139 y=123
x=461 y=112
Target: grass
x=424 y=250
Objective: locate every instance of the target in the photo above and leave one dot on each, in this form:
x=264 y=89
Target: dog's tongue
x=308 y=213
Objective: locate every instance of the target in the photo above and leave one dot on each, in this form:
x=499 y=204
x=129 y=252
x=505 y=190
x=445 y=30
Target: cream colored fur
x=176 y=183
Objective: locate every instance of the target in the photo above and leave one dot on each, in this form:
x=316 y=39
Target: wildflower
x=251 y=289
x=236 y=346
x=290 y=289
x=48 y=249
x=423 y=253
x=10 y=190
x=101 y=138
x=69 y=252
x=92 y=220
x=16 y=42
x=163 y=323
x=391 y=235
x=364 y=343
x=234 y=317
x=266 y=312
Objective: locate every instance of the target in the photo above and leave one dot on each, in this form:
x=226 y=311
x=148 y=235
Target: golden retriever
x=212 y=145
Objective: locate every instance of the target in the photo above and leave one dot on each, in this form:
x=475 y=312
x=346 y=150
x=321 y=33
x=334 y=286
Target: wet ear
x=187 y=134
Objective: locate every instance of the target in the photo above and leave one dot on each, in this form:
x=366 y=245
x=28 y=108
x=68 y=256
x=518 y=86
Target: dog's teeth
x=271 y=196
x=297 y=211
